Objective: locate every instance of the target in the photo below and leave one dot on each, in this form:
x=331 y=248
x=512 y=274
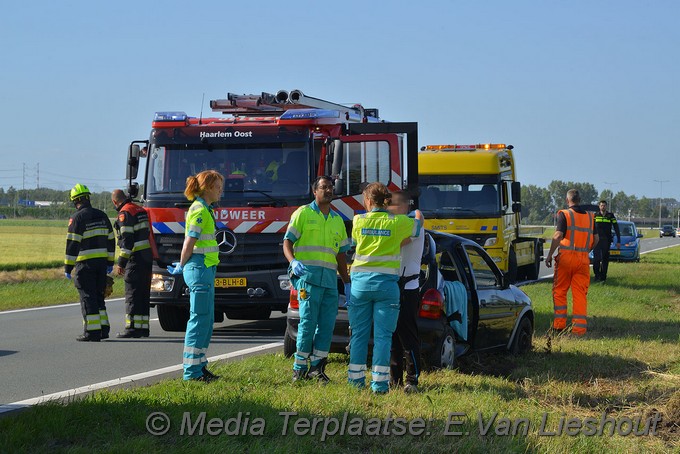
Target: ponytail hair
x=378 y=194
x=197 y=184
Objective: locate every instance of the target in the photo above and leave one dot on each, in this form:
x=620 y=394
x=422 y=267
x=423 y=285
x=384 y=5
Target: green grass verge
x=628 y=366
x=46 y=288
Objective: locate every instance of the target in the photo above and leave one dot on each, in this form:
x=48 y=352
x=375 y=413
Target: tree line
x=539 y=205
x=12 y=203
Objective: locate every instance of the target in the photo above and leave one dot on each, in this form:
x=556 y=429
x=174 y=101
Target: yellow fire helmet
x=78 y=191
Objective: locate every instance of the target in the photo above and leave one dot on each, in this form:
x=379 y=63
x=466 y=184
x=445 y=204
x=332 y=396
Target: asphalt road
x=648 y=244
x=39 y=354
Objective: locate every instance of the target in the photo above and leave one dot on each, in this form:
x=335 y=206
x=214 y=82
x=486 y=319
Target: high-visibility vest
x=320 y=238
x=200 y=222
x=378 y=236
x=579 y=235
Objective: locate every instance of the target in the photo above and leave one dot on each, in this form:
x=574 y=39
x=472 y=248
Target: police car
x=467 y=304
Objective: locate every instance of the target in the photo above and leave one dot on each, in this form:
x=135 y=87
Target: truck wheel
x=255 y=313
x=444 y=355
x=289 y=345
x=523 y=337
x=512 y=266
x=533 y=269
x=172 y=318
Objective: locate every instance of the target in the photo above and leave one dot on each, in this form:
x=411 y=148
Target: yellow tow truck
x=471 y=191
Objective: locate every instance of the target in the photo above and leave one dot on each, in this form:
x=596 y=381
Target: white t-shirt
x=411 y=255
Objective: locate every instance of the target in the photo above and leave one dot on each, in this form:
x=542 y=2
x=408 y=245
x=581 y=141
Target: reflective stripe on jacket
x=90 y=236
x=132 y=226
x=317 y=239
x=579 y=235
x=201 y=225
x=378 y=236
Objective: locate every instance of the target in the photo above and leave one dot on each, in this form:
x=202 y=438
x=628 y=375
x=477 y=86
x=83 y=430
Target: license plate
x=228 y=282
x=615 y=252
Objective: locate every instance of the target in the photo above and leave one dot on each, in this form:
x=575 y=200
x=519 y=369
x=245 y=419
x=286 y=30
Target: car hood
x=520 y=296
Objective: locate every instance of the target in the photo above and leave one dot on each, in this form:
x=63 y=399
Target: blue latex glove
x=297 y=268
x=109 y=269
x=348 y=292
x=176 y=269
x=68 y=275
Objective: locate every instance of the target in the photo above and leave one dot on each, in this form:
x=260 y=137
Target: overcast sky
x=584 y=90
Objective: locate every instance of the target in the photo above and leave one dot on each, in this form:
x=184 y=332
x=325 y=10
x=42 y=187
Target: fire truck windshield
x=445 y=196
x=251 y=173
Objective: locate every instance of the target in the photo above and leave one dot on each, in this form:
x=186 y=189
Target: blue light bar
x=309 y=114
x=170 y=116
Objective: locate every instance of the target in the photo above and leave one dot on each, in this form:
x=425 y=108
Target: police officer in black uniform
x=604 y=221
x=134 y=262
x=90 y=249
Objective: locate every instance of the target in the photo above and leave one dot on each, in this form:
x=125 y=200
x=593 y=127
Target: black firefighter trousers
x=405 y=342
x=137 y=293
x=90 y=280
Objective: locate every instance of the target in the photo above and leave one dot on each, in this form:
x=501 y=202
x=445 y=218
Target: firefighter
x=315 y=244
x=374 y=301
x=90 y=249
x=576 y=235
x=134 y=262
x=605 y=221
x=405 y=340
x=198 y=264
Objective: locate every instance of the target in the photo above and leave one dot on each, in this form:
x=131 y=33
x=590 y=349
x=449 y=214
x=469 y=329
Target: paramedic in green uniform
x=315 y=244
x=374 y=301
x=198 y=264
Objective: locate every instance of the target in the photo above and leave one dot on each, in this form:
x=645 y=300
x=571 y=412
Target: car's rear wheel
x=289 y=345
x=444 y=355
x=523 y=337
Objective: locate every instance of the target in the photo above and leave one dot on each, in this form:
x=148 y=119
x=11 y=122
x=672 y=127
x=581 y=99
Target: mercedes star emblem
x=226 y=240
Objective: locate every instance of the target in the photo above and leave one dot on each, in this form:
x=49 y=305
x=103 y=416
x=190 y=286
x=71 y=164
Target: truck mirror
x=133 y=162
x=516 y=207
x=133 y=190
x=516 y=192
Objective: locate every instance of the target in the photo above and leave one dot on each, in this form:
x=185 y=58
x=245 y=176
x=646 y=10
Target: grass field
x=627 y=369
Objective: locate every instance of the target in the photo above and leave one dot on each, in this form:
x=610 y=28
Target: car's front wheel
x=444 y=356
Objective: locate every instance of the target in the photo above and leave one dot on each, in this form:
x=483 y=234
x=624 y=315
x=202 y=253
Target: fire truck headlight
x=490 y=242
x=160 y=283
x=284 y=282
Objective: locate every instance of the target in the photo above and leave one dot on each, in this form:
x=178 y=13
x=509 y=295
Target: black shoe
x=207 y=373
x=89 y=337
x=318 y=372
x=204 y=378
x=132 y=333
x=410 y=388
x=299 y=375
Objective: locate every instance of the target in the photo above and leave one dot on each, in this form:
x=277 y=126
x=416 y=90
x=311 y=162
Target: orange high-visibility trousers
x=572 y=269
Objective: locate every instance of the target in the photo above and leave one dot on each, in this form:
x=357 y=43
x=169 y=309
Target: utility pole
x=661 y=182
x=611 y=195
x=37 y=172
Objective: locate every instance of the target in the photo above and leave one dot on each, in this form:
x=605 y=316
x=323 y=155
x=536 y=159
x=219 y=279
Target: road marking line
x=15 y=311
x=129 y=379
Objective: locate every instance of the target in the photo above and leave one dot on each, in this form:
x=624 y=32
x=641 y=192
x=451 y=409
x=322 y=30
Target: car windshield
x=251 y=171
x=627 y=230
x=445 y=196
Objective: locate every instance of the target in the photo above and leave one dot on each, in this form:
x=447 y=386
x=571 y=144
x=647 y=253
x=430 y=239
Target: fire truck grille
x=253 y=252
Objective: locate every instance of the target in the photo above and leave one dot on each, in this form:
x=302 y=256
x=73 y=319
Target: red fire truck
x=270 y=148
